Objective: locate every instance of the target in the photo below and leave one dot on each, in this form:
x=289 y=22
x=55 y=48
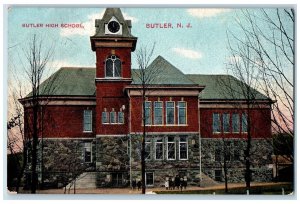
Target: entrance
x=149 y=179
x=117 y=179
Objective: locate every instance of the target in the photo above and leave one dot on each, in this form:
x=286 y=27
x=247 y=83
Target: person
x=185 y=182
x=171 y=184
x=167 y=184
x=133 y=183
x=139 y=185
x=177 y=182
x=181 y=183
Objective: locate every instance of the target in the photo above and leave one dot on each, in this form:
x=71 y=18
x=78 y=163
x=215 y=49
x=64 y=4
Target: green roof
x=162 y=72
x=80 y=81
x=224 y=87
x=70 y=81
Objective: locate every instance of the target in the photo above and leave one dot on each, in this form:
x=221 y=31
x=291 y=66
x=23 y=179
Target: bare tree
x=37 y=57
x=268 y=34
x=145 y=78
x=262 y=58
x=16 y=143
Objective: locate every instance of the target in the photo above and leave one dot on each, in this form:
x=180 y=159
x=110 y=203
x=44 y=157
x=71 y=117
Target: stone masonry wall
x=164 y=168
x=62 y=160
x=213 y=152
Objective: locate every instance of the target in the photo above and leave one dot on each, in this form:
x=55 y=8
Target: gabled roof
x=80 y=81
x=162 y=72
x=109 y=13
x=70 y=81
x=223 y=87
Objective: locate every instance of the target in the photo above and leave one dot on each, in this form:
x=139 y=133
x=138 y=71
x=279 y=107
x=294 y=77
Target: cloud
x=89 y=26
x=191 y=54
x=206 y=12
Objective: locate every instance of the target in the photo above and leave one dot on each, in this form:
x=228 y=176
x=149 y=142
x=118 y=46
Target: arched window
x=113 y=67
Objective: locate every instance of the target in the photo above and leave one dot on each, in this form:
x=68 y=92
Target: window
x=227 y=150
x=235 y=123
x=216 y=123
x=226 y=124
x=87 y=152
x=158 y=113
x=171 y=148
x=218 y=154
x=181 y=113
x=113 y=67
x=87 y=121
x=147 y=113
x=183 y=148
x=244 y=123
x=104 y=117
x=113 y=118
x=147 y=149
x=170 y=109
x=149 y=178
x=159 y=149
x=120 y=117
x=218 y=175
x=236 y=152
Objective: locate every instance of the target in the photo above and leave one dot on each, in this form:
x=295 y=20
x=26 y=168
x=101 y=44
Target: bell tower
x=113 y=44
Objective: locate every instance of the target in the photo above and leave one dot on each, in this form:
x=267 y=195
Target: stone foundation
x=260 y=156
x=116 y=160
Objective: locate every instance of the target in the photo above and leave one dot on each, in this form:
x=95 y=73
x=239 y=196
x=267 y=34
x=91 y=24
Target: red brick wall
x=111 y=95
x=123 y=53
x=260 y=123
x=192 y=117
x=63 y=121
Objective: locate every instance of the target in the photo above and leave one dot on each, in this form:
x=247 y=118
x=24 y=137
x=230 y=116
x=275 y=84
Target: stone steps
x=207 y=181
x=84 y=181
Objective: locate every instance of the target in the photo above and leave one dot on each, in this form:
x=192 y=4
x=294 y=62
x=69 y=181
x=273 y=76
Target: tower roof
x=108 y=15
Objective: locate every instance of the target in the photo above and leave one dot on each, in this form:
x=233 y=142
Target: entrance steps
x=207 y=181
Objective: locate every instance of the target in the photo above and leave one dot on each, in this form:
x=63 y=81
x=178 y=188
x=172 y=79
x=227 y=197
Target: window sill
x=87 y=131
x=175 y=125
x=113 y=123
x=183 y=159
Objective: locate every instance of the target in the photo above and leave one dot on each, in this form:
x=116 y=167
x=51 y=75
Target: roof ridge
x=77 y=67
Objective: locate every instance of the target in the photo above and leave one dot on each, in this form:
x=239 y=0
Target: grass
x=255 y=190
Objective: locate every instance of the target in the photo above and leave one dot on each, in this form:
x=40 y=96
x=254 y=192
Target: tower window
x=113 y=67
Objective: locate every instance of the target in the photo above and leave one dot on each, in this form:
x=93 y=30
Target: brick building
x=92 y=120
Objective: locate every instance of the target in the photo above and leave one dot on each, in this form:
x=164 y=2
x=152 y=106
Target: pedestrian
x=181 y=183
x=171 y=184
x=167 y=184
x=133 y=184
x=177 y=182
x=139 y=185
x=185 y=182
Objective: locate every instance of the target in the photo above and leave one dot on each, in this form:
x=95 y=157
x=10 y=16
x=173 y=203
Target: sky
x=200 y=48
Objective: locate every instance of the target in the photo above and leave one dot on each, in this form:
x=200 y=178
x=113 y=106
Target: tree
x=37 y=56
x=269 y=36
x=17 y=143
x=262 y=58
x=145 y=79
